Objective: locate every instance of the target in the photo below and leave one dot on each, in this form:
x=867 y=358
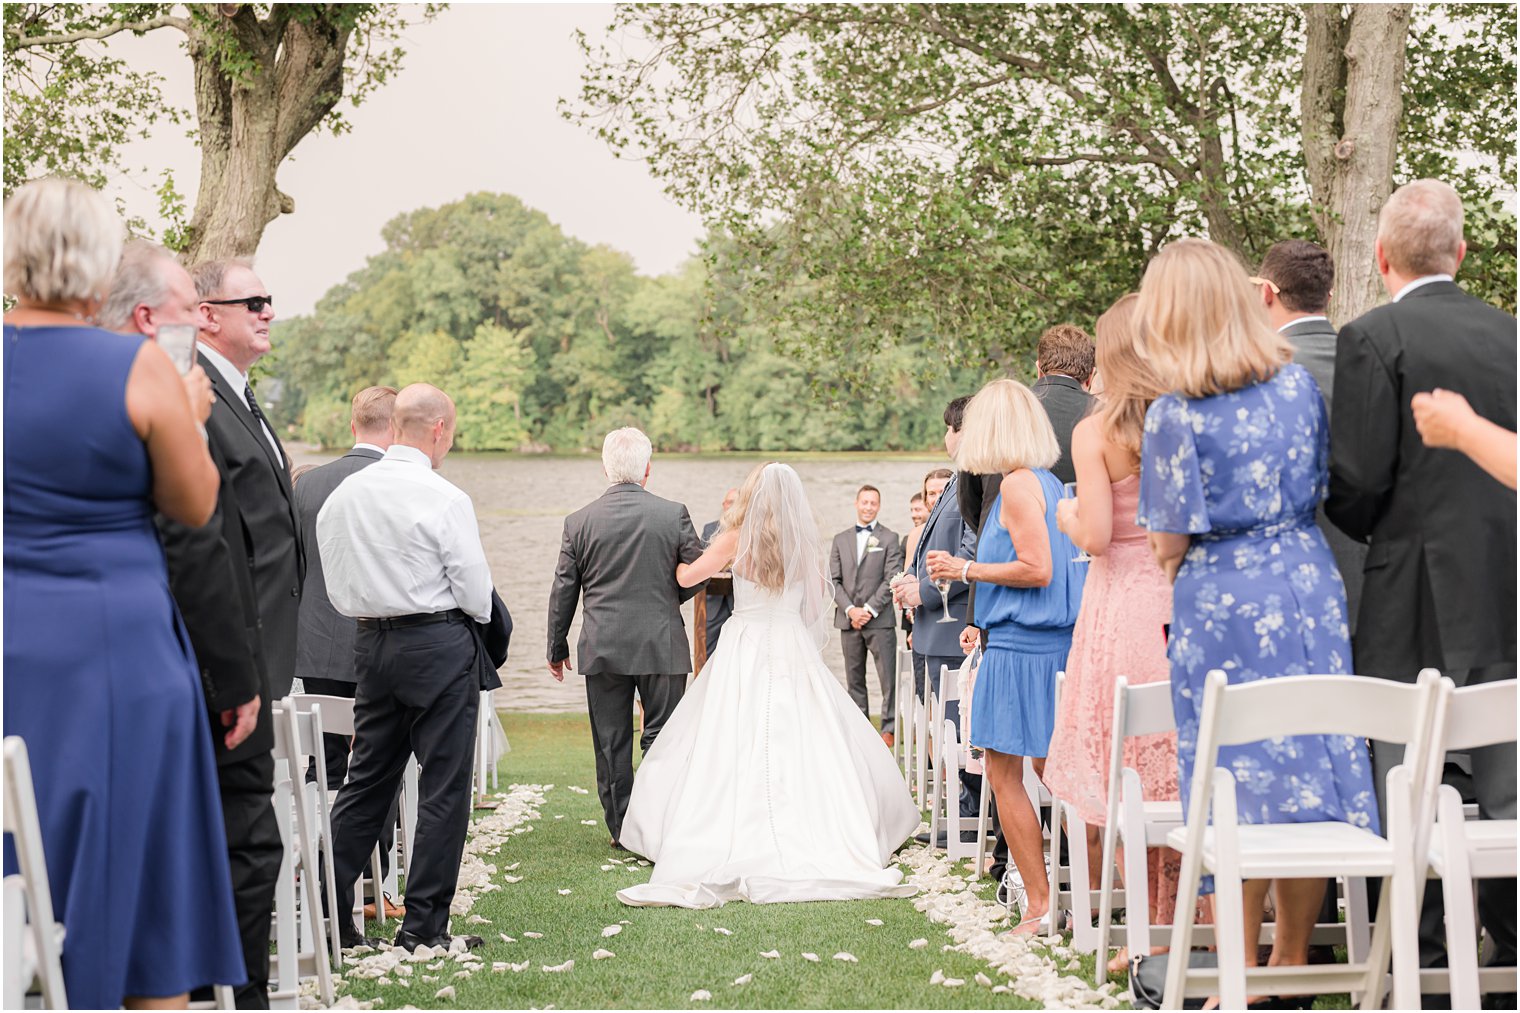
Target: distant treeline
x=546 y=343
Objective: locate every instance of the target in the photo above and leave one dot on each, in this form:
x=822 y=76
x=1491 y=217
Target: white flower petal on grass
x=557 y=968
x=506 y=938
x=518 y=968
x=477 y=920
x=611 y=930
x=534 y=935
x=511 y=879
x=722 y=931
x=602 y=954
x=918 y=944
x=429 y=978
x=744 y=979
x=701 y=995
x=937 y=977
x=559 y=816
x=875 y=921
x=446 y=992
x=625 y=921
x=953 y=982
x=813 y=957
x=770 y=954
x=606 y=868
x=461 y=974
x=382 y=981
x=983 y=980
x=422 y=952
x=564 y=893
x=1000 y=989
x=499 y=965
x=511 y=868
x=848 y=958
x=588 y=823
x=578 y=789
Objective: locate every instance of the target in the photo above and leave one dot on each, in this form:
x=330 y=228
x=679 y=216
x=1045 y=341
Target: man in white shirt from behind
x=401 y=552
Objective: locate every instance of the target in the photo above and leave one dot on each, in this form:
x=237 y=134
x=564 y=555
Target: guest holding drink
x=1126 y=606
x=1029 y=591
x=1232 y=467
x=99 y=677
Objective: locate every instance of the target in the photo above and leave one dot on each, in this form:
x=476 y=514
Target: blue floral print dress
x=1258 y=594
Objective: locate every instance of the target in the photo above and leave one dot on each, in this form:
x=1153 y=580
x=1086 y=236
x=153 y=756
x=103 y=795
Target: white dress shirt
x=398 y=539
x=1303 y=320
x=1424 y=279
x=237 y=381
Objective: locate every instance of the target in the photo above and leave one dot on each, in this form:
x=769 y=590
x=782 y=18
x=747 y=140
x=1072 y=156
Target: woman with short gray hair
x=99 y=678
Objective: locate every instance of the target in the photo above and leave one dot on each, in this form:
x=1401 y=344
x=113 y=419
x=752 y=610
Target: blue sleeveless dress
x=101 y=683
x=1028 y=637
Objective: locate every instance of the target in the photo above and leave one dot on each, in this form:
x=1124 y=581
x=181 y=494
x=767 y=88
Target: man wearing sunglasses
x=234 y=315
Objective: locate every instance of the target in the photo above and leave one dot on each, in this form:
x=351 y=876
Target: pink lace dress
x=1125 y=606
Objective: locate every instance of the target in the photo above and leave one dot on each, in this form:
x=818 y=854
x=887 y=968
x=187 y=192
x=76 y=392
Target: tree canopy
x=972 y=172
x=547 y=343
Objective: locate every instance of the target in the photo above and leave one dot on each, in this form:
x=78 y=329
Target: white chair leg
x=1053 y=873
x=1137 y=910
x=983 y=804
x=409 y=789
x=1084 y=935
x=1358 y=925
x=1402 y=899
x=1457 y=890
x=1106 y=901
x=286 y=994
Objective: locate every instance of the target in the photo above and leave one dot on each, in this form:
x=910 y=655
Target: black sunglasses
x=255 y=303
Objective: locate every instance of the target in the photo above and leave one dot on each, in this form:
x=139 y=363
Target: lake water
x=522 y=503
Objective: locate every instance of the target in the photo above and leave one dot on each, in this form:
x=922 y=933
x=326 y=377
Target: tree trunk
x=249 y=122
x=1351 y=103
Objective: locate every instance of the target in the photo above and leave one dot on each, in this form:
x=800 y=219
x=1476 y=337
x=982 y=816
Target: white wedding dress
x=767 y=783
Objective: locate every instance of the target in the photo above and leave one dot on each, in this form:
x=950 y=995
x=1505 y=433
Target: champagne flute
x=943 y=586
x=178 y=342
x=1081 y=556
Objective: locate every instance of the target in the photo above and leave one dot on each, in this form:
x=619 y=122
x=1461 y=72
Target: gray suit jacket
x=1067 y=403
x=1314 y=349
x=324 y=638
x=719 y=606
x=619 y=556
x=866 y=582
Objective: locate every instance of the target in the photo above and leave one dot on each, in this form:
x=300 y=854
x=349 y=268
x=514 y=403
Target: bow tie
x=864 y=527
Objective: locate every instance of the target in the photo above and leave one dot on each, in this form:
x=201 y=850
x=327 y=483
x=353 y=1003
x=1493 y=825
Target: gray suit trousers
x=609 y=698
x=882 y=643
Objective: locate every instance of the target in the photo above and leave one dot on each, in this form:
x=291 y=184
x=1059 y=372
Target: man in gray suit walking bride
x=618 y=558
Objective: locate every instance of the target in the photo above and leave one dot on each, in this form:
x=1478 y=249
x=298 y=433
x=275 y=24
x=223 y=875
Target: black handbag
x=1147 y=977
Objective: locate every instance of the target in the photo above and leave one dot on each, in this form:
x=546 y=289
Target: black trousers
x=254 y=851
x=609 y=699
x=418 y=692
x=881 y=642
x=1491 y=783
x=336 y=747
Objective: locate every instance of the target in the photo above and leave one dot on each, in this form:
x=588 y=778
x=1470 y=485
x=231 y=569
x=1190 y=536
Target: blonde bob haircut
x=1202 y=325
x=1006 y=429
x=62 y=242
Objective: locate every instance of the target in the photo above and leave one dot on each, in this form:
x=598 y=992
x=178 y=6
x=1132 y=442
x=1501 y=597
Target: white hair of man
x=62 y=242
x=1420 y=228
x=625 y=455
x=139 y=282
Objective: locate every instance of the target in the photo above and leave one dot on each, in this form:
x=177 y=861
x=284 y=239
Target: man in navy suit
x=719 y=606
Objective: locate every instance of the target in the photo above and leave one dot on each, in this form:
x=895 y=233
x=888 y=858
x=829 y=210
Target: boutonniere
x=872 y=542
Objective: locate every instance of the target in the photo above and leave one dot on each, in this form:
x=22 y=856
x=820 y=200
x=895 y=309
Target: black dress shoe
x=409 y=942
x=349 y=942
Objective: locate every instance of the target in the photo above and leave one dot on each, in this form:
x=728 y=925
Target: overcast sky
x=474 y=108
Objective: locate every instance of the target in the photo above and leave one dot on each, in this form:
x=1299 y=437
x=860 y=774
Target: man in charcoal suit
x=1439 y=579
x=619 y=557
x=719 y=606
x=211 y=575
x=325 y=637
x=1295 y=279
x=862 y=561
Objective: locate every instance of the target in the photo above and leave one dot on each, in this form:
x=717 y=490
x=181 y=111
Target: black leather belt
x=415 y=619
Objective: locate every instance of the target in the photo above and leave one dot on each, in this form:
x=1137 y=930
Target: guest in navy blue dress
x=99 y=677
x=1233 y=464
x=1028 y=594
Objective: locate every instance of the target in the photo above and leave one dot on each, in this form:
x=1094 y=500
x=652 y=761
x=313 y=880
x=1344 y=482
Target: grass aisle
x=664 y=955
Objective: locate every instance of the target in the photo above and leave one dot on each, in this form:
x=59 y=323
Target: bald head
x=423 y=417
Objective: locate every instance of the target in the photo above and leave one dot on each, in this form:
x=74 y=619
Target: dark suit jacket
x=868 y=581
x=946 y=531
x=1314 y=349
x=212 y=583
x=325 y=638
x=1066 y=403
x=1440 y=570
x=619 y=556
x=719 y=606
x=268 y=510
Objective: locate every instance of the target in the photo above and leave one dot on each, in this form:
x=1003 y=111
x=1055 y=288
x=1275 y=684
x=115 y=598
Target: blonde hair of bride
x=765 y=565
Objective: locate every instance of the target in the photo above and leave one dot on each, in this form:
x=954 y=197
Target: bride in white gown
x=767 y=783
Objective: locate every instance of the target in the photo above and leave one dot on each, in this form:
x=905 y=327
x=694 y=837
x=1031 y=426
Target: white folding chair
x=33 y=940
x=902 y=742
x=1455 y=849
x=1214 y=841
x=301 y=930
x=1074 y=902
x=490 y=746
x=1132 y=821
x=950 y=759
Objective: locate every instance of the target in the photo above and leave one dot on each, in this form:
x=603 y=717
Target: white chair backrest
x=1479 y=716
x=949 y=683
x=337 y=711
x=25 y=828
x=1147 y=708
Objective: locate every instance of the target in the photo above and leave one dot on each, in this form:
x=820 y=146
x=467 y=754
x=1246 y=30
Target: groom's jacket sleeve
x=562 y=598
x=691 y=548
x=881 y=599
x=836 y=577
